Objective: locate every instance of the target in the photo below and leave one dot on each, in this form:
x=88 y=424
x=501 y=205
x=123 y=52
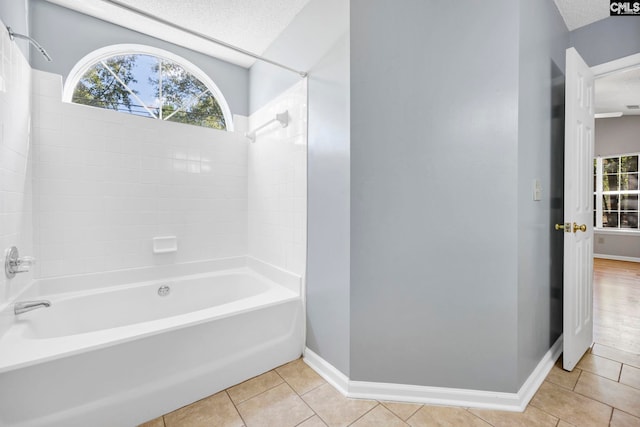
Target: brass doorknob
x=577 y=227
x=559 y=226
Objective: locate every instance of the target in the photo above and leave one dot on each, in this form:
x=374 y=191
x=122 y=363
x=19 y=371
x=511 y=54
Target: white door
x=578 y=210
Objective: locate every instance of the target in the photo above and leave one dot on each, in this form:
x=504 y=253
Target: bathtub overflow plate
x=164 y=290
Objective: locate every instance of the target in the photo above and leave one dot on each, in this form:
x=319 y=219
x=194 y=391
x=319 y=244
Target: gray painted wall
x=434 y=193
x=15 y=14
x=317 y=41
x=611 y=38
x=614 y=245
x=68 y=36
x=543 y=41
x=617 y=136
x=328 y=264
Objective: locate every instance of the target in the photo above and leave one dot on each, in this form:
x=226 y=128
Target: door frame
x=616 y=65
x=608 y=68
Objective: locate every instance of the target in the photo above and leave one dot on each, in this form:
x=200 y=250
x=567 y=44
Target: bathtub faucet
x=24 y=306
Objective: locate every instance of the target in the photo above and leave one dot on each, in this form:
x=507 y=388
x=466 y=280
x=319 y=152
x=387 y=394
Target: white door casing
x=578 y=210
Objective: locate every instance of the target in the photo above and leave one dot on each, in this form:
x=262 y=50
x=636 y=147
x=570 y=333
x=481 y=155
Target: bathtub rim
x=278 y=294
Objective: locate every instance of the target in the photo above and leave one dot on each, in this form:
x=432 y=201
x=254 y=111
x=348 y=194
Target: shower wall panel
x=15 y=155
x=278 y=183
x=106 y=183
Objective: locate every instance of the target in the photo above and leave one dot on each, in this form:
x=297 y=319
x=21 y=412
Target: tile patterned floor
x=603 y=390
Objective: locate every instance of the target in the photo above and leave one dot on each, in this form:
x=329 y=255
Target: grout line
x=608 y=358
x=319 y=416
x=548 y=413
x=620 y=373
x=625 y=412
x=307 y=419
x=314 y=388
x=577 y=381
x=261 y=393
x=613 y=409
x=411 y=415
x=478 y=416
x=596 y=399
x=236 y=408
x=356 y=420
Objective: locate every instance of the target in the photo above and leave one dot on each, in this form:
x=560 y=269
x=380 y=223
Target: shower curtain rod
x=197 y=34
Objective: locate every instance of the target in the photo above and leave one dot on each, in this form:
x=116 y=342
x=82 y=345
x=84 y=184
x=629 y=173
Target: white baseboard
x=438 y=395
x=532 y=384
x=327 y=371
x=617 y=257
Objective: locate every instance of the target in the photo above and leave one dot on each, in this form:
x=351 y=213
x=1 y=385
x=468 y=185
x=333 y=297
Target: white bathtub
x=120 y=355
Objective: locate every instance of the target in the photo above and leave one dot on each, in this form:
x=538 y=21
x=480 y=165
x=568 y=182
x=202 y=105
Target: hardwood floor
x=616 y=304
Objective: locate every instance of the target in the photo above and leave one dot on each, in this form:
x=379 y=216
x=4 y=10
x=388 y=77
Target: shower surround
x=106 y=183
x=86 y=190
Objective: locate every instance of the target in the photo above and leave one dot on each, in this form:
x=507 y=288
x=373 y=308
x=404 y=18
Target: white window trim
x=599 y=229
x=101 y=54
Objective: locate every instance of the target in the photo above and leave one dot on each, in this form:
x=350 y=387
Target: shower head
x=13 y=35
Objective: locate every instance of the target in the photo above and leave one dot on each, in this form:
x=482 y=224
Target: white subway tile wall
x=16 y=211
x=278 y=183
x=107 y=183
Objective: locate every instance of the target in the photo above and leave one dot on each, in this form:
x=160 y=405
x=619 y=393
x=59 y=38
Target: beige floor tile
x=600 y=366
x=253 y=387
x=617 y=355
x=334 y=408
x=630 y=376
x=402 y=410
x=531 y=417
x=314 y=421
x=277 y=407
x=562 y=423
x=620 y=396
x=622 y=419
x=560 y=377
x=379 y=416
x=444 y=416
x=216 y=410
x=571 y=407
x=300 y=376
x=158 y=422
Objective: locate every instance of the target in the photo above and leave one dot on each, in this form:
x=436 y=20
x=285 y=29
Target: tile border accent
x=516 y=402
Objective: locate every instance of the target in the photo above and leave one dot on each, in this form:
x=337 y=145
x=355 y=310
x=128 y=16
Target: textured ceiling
x=615 y=91
x=250 y=24
x=578 y=13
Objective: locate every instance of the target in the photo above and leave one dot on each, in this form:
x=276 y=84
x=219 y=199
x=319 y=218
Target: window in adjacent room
x=617 y=192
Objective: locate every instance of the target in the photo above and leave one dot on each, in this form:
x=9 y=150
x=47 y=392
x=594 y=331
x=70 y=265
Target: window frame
x=599 y=193
x=91 y=59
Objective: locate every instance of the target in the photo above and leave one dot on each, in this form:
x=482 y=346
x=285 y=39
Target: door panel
x=578 y=193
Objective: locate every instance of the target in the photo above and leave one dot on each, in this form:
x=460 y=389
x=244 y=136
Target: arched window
x=148 y=82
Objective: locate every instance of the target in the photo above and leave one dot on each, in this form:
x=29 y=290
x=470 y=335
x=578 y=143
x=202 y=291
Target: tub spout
x=24 y=306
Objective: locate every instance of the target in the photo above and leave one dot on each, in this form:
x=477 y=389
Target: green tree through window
x=617 y=192
x=149 y=86
x=105 y=84
x=185 y=99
